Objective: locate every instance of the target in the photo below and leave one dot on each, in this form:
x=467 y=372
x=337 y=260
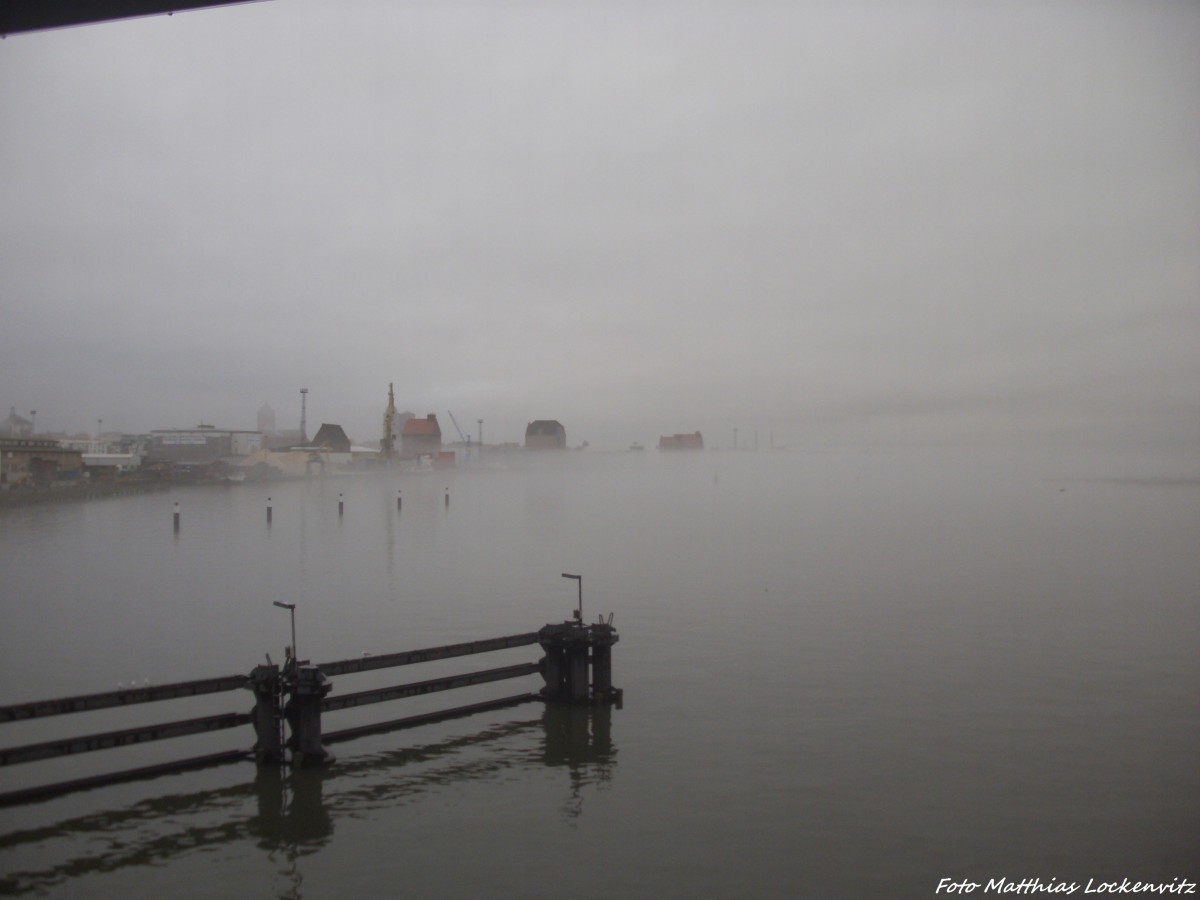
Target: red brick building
x=421 y=437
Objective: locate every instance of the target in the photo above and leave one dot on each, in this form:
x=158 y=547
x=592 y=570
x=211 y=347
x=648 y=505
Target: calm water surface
x=846 y=675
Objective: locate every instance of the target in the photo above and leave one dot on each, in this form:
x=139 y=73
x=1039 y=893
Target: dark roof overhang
x=36 y=15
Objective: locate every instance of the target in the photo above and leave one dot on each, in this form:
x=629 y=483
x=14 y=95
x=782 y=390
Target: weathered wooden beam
x=125 y=737
x=349 y=734
x=82 y=703
x=380 y=695
x=125 y=697
x=408 y=657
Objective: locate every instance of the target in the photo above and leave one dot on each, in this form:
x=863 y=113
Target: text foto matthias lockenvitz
x=1057 y=886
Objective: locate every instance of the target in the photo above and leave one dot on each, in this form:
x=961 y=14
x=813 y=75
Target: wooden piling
x=308 y=686
x=267 y=715
x=572 y=649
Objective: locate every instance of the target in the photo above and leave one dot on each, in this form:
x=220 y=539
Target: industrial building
x=421 y=437
x=545 y=434
x=331 y=437
x=25 y=460
x=202 y=444
x=692 y=441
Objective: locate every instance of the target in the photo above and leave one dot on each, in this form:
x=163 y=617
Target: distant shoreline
x=65 y=492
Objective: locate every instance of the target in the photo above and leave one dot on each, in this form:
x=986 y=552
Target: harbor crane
x=462 y=437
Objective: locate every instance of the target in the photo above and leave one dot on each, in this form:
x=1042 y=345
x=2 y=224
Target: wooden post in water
x=303 y=711
x=177 y=517
x=268 y=717
x=397 y=500
x=602 y=670
x=570 y=648
x=268 y=510
x=447 y=498
x=341 y=506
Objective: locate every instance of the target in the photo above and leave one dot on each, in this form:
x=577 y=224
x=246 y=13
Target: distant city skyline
x=850 y=224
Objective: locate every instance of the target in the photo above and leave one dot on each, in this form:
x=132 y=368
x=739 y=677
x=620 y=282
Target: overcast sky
x=869 y=221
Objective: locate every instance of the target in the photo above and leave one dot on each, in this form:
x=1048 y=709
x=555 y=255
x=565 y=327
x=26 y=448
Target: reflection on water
x=579 y=738
x=146 y=833
x=292 y=820
x=855 y=674
x=291 y=814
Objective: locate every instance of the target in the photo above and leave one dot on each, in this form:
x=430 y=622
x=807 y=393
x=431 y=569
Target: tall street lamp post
x=291 y=608
x=578 y=579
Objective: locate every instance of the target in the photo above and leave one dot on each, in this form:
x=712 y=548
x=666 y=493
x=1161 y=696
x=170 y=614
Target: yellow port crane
x=388 y=444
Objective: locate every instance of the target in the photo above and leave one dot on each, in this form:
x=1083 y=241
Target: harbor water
x=845 y=674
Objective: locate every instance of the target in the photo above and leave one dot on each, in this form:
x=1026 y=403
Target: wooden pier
x=290 y=700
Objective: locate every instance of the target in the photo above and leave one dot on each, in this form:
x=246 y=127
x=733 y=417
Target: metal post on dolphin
x=291 y=608
x=579 y=581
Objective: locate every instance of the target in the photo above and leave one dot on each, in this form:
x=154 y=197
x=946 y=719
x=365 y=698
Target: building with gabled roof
x=545 y=434
x=331 y=437
x=421 y=437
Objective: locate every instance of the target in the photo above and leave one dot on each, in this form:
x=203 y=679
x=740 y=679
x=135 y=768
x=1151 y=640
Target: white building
x=204 y=443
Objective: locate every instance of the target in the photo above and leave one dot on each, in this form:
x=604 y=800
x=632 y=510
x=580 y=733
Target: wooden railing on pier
x=40 y=709
x=571 y=648
x=409 y=657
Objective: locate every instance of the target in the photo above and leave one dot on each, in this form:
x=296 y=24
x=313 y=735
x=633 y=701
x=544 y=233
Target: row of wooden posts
x=176 y=518
x=289 y=702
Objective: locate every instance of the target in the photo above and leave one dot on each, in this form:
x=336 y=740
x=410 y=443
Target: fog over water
x=835 y=222
x=940 y=257
x=845 y=675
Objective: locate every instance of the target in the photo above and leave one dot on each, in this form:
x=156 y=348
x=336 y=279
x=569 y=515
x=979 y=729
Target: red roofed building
x=421 y=437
